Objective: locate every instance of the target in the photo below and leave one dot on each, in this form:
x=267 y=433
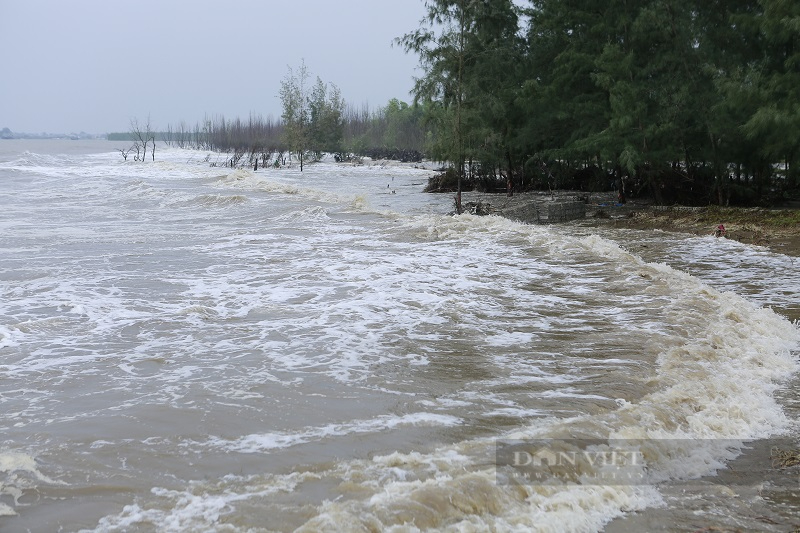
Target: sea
x=190 y=347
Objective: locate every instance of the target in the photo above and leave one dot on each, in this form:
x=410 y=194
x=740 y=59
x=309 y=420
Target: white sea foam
x=8 y=337
x=761 y=275
x=19 y=473
x=269 y=441
x=200 y=506
x=243 y=179
x=210 y=201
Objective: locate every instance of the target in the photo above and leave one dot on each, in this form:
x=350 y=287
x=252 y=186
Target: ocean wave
x=306 y=214
x=268 y=441
x=31 y=160
x=211 y=201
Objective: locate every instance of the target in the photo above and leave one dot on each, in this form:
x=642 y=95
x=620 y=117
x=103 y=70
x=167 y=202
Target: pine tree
x=466 y=48
x=295 y=102
x=776 y=121
x=442 y=57
x=326 y=125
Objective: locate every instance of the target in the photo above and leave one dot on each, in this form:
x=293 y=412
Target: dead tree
x=142 y=136
x=125 y=152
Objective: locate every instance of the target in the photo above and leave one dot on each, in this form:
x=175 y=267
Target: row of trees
x=393 y=131
x=684 y=101
x=315 y=120
x=688 y=101
x=397 y=130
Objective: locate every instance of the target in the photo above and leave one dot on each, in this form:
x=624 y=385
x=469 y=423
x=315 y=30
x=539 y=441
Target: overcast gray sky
x=92 y=65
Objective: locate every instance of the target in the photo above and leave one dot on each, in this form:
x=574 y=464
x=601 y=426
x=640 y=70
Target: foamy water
x=188 y=347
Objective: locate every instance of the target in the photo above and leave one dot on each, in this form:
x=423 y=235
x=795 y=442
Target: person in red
x=720 y=231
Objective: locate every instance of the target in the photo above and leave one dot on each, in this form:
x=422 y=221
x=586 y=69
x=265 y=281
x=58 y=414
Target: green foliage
x=686 y=101
x=295 y=102
x=397 y=130
x=312 y=117
x=326 y=126
x=470 y=52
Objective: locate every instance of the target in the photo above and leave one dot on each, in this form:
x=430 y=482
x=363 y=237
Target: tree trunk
x=509 y=183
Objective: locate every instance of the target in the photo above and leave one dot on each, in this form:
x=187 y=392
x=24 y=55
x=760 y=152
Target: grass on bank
x=730 y=216
x=770 y=218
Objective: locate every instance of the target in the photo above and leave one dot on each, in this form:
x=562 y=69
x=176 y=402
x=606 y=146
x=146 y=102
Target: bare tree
x=142 y=136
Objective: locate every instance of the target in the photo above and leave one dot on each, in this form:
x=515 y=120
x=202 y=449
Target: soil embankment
x=776 y=229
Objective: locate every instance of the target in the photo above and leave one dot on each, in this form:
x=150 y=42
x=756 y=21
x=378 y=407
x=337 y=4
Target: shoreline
x=743 y=225
x=759 y=494
x=776 y=229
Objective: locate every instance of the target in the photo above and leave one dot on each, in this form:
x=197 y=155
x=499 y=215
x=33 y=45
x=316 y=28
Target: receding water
x=186 y=347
